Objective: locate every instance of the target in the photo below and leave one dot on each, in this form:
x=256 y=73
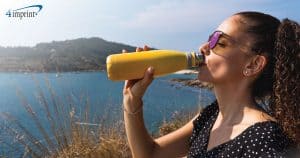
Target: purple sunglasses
x=214 y=38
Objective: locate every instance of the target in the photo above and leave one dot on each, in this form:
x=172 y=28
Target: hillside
x=83 y=54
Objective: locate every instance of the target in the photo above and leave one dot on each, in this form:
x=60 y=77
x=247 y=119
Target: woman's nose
x=204 y=49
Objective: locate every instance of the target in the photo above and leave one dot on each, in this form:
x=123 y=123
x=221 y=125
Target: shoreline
x=195 y=83
x=184 y=81
x=190 y=82
x=75 y=71
x=187 y=71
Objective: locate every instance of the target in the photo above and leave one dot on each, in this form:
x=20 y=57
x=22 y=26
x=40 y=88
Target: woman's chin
x=204 y=78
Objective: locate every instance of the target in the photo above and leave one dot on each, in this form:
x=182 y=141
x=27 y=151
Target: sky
x=164 y=24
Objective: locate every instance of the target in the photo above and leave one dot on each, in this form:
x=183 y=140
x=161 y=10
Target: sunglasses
x=214 y=38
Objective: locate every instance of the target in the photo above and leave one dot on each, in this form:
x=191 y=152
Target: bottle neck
x=194 y=59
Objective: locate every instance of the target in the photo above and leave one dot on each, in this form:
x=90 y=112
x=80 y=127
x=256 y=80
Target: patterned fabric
x=262 y=139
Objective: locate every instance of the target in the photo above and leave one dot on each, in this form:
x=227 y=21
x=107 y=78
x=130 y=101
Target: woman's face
x=226 y=61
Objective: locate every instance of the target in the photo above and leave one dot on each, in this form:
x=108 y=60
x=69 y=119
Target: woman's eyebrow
x=228 y=37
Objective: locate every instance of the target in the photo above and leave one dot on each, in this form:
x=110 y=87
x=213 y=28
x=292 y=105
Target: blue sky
x=165 y=24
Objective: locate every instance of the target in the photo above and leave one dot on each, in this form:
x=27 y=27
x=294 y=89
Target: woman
x=252 y=56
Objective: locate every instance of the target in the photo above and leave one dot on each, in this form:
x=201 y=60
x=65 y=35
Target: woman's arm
x=142 y=145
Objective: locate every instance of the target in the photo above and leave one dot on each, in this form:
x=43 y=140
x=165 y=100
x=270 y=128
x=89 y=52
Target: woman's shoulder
x=205 y=115
x=208 y=111
x=270 y=132
x=267 y=129
x=267 y=138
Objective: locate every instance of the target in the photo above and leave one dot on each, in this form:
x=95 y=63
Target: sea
x=90 y=97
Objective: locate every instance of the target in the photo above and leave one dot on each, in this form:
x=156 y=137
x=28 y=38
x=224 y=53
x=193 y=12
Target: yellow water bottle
x=127 y=66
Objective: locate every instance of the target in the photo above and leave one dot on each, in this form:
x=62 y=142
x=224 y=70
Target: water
x=103 y=96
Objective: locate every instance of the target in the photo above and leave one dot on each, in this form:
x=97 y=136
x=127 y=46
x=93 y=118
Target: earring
x=246 y=73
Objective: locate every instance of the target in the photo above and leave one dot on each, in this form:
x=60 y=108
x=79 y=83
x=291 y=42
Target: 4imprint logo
x=25 y=12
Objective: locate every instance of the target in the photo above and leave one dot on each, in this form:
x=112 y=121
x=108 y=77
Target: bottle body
x=128 y=66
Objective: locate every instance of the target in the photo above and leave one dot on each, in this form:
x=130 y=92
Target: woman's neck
x=234 y=101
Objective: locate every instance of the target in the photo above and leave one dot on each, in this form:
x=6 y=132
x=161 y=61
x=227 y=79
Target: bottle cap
x=194 y=59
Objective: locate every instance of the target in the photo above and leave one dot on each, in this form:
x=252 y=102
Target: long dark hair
x=279 y=42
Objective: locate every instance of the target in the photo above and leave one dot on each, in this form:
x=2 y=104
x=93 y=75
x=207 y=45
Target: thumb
x=148 y=77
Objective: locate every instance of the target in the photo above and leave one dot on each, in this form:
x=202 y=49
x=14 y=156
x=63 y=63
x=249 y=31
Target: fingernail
x=150 y=69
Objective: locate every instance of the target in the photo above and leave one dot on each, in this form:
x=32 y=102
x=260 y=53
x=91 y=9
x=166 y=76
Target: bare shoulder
x=267 y=117
x=260 y=116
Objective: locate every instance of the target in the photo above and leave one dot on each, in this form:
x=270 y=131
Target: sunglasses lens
x=213 y=39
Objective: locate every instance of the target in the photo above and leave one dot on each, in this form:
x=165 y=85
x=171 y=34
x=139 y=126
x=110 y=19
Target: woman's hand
x=140 y=141
x=134 y=90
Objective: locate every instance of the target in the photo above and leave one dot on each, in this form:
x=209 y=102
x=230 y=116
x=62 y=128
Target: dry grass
x=68 y=137
x=110 y=143
x=86 y=142
x=178 y=120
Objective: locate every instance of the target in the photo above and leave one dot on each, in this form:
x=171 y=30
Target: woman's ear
x=255 y=65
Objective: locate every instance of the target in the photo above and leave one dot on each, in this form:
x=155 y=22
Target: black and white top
x=263 y=139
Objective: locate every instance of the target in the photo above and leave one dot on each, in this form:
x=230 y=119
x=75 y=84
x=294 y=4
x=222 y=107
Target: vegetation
x=70 y=135
x=83 y=54
x=192 y=83
x=67 y=134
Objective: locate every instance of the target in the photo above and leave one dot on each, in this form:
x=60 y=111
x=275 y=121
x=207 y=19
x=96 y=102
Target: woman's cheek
x=214 y=67
x=220 y=71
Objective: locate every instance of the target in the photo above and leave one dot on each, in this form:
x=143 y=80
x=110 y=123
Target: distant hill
x=83 y=54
